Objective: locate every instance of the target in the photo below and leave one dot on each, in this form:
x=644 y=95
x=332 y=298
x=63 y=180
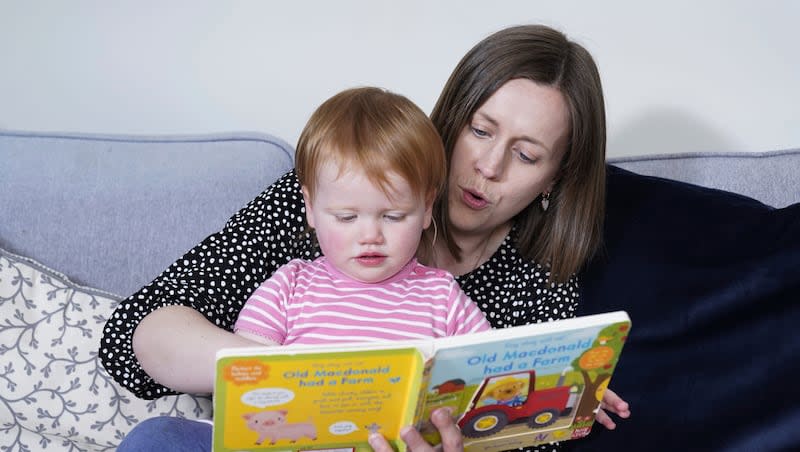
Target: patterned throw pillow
x=54 y=393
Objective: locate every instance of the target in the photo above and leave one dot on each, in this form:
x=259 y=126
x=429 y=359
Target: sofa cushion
x=55 y=393
x=113 y=211
x=711 y=280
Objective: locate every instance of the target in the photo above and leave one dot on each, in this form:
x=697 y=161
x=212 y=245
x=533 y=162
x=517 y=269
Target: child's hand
x=612 y=403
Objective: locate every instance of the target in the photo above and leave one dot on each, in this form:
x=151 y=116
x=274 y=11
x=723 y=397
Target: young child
x=370 y=164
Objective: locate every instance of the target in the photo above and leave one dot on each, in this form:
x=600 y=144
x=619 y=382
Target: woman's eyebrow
x=527 y=138
x=486 y=117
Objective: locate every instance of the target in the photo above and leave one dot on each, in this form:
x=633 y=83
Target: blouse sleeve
x=214 y=278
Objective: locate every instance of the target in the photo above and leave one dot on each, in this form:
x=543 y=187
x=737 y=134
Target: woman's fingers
x=452 y=441
x=442 y=419
x=603 y=418
x=379 y=443
x=415 y=441
x=614 y=403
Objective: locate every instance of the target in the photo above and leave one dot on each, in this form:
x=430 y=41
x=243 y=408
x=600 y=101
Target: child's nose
x=372 y=232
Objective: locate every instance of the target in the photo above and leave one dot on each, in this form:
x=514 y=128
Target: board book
x=508 y=388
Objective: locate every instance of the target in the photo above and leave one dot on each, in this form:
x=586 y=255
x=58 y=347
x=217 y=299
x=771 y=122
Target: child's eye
x=395 y=217
x=345 y=218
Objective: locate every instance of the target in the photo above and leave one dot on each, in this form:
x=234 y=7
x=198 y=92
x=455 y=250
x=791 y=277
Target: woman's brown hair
x=570 y=231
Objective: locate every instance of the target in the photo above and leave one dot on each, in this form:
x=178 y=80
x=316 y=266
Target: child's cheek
x=331 y=241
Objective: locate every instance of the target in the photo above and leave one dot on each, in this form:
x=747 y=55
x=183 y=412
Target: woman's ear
x=309 y=207
x=551 y=186
x=428 y=211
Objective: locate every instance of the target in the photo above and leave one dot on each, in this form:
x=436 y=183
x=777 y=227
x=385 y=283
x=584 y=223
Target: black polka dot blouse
x=217 y=276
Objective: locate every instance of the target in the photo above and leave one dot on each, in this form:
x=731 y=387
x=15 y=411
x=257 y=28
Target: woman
x=523 y=124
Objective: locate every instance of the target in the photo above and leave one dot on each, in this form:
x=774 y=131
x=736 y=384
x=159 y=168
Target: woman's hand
x=612 y=403
x=442 y=419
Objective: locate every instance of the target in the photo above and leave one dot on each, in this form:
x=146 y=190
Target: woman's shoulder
x=276 y=217
x=281 y=202
x=284 y=192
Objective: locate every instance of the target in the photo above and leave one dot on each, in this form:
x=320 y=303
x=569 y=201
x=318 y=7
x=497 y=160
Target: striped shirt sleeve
x=464 y=316
x=265 y=313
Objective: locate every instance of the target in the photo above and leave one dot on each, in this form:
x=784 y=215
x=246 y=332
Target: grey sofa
x=88 y=219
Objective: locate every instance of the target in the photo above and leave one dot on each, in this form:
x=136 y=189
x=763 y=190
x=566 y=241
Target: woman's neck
x=475 y=250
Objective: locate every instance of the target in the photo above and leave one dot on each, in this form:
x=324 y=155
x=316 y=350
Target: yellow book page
x=314 y=400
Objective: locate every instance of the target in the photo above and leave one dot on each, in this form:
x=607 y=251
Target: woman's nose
x=490 y=161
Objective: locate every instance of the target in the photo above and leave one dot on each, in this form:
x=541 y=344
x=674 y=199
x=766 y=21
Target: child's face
x=363 y=232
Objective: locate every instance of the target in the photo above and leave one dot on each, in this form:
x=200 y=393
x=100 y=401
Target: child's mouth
x=371 y=260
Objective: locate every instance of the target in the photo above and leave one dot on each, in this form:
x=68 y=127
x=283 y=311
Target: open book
x=507 y=388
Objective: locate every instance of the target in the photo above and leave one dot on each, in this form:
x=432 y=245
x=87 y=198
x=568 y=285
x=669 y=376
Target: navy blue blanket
x=711 y=281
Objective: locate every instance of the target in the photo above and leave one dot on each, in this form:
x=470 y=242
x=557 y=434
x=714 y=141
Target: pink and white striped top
x=311 y=302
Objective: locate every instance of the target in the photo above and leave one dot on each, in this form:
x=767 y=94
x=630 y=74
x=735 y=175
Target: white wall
x=681 y=75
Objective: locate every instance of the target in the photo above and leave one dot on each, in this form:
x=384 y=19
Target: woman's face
x=508 y=153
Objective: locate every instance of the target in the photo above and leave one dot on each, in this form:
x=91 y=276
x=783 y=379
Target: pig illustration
x=273 y=425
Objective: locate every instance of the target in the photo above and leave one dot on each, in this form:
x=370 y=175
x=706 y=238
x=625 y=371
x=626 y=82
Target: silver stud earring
x=545 y=200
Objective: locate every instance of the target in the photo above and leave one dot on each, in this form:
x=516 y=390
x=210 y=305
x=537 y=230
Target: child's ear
x=309 y=207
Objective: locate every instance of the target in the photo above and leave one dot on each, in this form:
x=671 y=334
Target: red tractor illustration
x=512 y=397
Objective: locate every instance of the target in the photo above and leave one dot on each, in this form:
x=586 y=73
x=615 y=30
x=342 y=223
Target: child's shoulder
x=301 y=264
x=431 y=272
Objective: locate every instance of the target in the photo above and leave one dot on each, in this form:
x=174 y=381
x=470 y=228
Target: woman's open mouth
x=473 y=199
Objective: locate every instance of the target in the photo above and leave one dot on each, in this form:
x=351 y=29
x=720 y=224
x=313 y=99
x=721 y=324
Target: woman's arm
x=176 y=346
x=175 y=324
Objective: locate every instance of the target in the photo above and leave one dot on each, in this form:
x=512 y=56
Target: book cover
x=508 y=388
x=527 y=385
x=289 y=398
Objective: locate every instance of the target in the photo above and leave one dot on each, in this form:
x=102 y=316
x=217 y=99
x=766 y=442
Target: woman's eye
x=479 y=132
x=525 y=157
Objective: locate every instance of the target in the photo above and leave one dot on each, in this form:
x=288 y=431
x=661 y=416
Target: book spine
x=419 y=411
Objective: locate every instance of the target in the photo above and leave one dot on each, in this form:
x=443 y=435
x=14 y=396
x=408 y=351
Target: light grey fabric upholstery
x=770 y=177
x=112 y=212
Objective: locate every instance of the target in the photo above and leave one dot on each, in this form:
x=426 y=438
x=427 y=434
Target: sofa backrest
x=112 y=212
x=770 y=177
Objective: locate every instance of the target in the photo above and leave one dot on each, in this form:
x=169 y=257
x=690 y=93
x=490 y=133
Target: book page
x=301 y=401
x=525 y=389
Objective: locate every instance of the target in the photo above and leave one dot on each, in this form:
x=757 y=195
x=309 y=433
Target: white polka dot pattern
x=218 y=275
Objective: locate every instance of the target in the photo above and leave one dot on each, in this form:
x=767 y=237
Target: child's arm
x=256 y=338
